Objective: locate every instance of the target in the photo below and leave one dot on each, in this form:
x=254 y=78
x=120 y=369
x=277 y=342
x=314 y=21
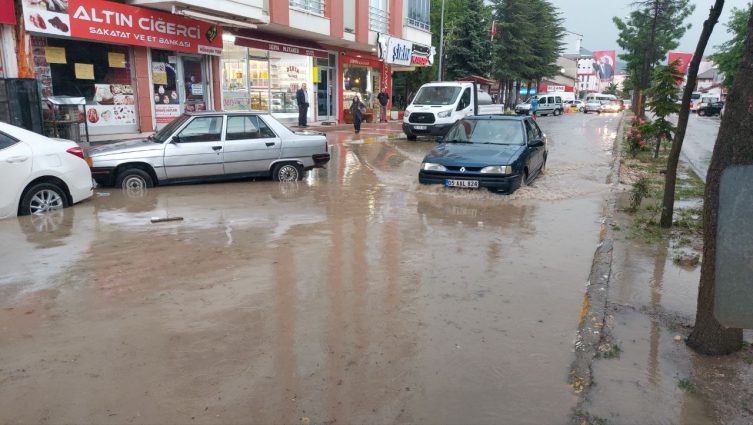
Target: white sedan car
x=40 y=174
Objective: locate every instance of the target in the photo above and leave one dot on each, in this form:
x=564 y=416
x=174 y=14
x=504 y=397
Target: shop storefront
x=135 y=67
x=264 y=75
x=363 y=76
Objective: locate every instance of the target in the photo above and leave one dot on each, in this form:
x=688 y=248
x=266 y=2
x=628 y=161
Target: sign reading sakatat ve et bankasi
x=106 y=21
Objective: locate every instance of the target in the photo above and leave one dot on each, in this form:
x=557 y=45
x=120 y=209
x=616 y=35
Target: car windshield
x=497 y=132
x=162 y=135
x=436 y=95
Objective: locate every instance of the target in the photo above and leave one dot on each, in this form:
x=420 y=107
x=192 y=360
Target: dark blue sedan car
x=500 y=153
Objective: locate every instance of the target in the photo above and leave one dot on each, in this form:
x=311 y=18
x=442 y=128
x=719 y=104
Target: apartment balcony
x=309 y=15
x=228 y=12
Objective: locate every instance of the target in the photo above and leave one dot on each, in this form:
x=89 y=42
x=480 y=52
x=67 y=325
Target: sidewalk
x=314 y=127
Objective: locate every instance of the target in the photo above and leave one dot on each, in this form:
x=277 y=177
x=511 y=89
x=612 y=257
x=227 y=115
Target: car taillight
x=77 y=151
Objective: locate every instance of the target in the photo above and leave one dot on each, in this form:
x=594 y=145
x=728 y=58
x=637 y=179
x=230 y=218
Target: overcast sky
x=593 y=19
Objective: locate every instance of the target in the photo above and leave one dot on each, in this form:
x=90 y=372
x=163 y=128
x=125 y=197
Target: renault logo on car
x=462 y=169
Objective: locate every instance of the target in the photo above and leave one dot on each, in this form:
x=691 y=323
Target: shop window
x=311 y=6
x=165 y=89
x=202 y=129
x=235 y=95
x=288 y=73
x=362 y=82
x=247 y=127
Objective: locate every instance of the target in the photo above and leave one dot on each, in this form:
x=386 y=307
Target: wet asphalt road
x=698 y=145
x=354 y=296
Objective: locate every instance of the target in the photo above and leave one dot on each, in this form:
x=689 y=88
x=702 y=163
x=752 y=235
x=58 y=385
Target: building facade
x=141 y=63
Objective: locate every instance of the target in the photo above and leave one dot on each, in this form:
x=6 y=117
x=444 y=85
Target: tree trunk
x=645 y=77
x=670 y=178
x=734 y=146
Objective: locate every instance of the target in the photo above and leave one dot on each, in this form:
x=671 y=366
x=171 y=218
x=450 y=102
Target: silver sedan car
x=210 y=146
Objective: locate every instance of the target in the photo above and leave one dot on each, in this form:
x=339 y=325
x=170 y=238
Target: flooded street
x=354 y=296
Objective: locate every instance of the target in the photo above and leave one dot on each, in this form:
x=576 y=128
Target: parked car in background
x=499 y=153
x=593 y=105
x=210 y=146
x=575 y=105
x=704 y=103
x=710 y=109
x=40 y=174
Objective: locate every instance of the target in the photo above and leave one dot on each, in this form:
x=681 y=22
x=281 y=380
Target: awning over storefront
x=279 y=46
x=117 y=23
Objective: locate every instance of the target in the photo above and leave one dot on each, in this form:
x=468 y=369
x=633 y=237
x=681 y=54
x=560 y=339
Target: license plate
x=471 y=184
x=419 y=127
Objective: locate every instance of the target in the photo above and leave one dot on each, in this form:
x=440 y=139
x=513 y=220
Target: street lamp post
x=441 y=41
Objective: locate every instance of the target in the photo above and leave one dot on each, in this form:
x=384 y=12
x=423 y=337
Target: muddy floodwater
x=354 y=296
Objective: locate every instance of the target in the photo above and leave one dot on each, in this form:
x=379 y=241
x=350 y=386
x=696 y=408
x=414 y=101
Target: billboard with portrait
x=604 y=64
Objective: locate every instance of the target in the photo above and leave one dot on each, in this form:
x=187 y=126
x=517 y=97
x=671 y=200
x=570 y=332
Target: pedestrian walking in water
x=534 y=107
x=383 y=98
x=357 y=109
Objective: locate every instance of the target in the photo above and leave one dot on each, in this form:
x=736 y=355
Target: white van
x=599 y=96
x=548 y=104
x=437 y=106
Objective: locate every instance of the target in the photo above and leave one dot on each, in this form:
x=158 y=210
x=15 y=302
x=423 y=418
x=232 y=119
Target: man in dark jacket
x=302 y=98
x=383 y=98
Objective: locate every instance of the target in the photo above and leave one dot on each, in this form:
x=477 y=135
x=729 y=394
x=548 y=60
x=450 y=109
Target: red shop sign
x=123 y=24
x=419 y=60
x=279 y=47
x=7 y=12
x=373 y=63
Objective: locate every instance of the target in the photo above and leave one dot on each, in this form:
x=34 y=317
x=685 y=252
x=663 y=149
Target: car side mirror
x=536 y=143
x=175 y=139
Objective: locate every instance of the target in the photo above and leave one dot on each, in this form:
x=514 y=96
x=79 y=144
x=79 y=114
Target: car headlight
x=444 y=114
x=429 y=166
x=497 y=169
x=406 y=115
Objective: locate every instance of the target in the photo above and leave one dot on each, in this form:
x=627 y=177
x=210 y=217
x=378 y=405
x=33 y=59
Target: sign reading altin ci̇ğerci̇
x=101 y=20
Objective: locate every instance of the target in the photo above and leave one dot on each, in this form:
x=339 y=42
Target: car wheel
x=556 y=112
x=412 y=137
x=287 y=173
x=41 y=198
x=701 y=113
x=524 y=179
x=134 y=180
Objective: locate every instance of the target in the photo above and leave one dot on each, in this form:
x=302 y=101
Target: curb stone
x=593 y=312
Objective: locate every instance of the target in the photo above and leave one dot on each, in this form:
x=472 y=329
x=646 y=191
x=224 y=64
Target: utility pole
x=441 y=42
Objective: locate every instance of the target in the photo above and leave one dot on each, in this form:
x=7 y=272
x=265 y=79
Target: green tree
x=664 y=98
x=651 y=30
x=730 y=52
x=612 y=89
x=528 y=42
x=468 y=45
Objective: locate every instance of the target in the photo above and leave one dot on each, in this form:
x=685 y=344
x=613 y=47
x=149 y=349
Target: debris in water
x=678 y=338
x=103 y=194
x=165 y=219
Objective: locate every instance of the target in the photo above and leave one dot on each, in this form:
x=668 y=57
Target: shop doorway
x=325 y=102
x=194 y=78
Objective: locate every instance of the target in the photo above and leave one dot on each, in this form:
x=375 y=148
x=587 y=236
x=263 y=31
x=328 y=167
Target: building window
x=349 y=16
x=418 y=14
x=315 y=7
x=379 y=16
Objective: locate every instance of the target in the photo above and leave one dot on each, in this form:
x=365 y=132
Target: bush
x=639 y=192
x=638 y=135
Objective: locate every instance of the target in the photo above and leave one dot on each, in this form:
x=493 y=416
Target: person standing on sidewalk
x=357 y=108
x=534 y=107
x=302 y=98
x=383 y=98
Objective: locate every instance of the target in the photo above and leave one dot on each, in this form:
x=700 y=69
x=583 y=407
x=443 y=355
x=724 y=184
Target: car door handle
x=217 y=148
x=270 y=144
x=14 y=159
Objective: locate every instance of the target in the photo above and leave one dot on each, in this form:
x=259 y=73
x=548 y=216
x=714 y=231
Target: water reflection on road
x=355 y=296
